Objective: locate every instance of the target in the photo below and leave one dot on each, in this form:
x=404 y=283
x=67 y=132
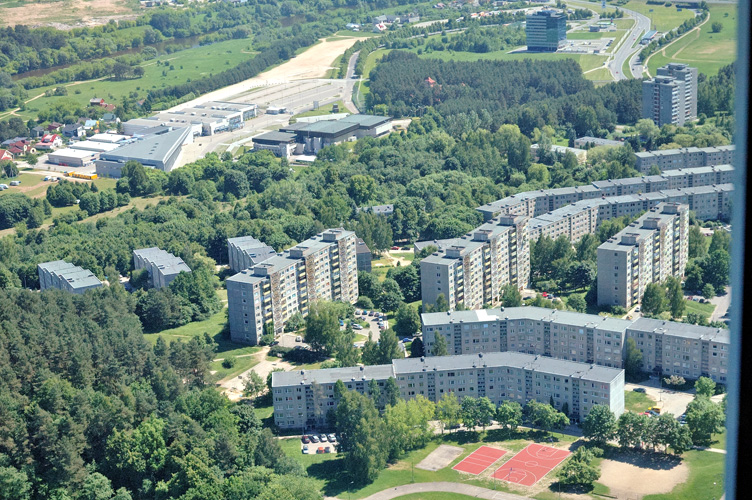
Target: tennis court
x=531 y=464
x=479 y=460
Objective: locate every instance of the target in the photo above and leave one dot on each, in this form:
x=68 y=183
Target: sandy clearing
x=313 y=63
x=233 y=388
x=440 y=457
x=635 y=480
x=90 y=13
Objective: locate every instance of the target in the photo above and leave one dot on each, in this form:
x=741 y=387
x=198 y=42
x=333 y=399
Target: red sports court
x=479 y=460
x=531 y=464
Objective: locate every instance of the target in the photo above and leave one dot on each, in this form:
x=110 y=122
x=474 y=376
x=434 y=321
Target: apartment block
x=247 y=251
x=671 y=96
x=672 y=159
x=67 y=277
x=699 y=172
x=686 y=76
x=690 y=351
x=162 y=266
x=475 y=270
x=323 y=267
x=649 y=250
x=302 y=398
x=584 y=338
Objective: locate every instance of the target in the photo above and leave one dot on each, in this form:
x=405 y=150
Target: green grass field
x=701 y=48
x=213 y=326
x=637 y=402
x=662 y=18
x=599 y=75
x=705 y=478
x=434 y=496
x=187 y=64
x=323 y=110
x=695 y=307
x=326 y=470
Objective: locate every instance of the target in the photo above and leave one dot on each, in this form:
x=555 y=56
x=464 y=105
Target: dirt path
x=233 y=388
x=663 y=51
x=313 y=63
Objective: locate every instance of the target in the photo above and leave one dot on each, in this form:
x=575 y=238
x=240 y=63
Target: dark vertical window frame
x=738 y=481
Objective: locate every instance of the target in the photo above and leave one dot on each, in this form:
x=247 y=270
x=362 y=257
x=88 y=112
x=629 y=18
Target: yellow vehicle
x=78 y=175
x=655 y=409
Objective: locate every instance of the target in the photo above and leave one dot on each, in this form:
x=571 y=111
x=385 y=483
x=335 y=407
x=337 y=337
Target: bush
x=618 y=310
x=228 y=362
x=267 y=339
x=278 y=349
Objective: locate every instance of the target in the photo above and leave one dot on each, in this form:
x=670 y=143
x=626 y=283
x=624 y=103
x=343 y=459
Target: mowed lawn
x=329 y=471
x=663 y=18
x=189 y=64
x=637 y=402
x=702 y=48
x=213 y=326
x=705 y=478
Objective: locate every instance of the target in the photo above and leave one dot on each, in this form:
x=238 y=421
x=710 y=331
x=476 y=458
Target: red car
x=305 y=440
x=395 y=248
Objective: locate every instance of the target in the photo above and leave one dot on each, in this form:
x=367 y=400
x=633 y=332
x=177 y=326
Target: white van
x=3 y=187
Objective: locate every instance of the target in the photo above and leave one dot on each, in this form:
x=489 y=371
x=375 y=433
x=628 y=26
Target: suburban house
x=38 y=131
x=49 y=142
x=110 y=118
x=90 y=124
x=54 y=126
x=21 y=148
x=73 y=130
x=96 y=101
x=378 y=28
x=5 y=155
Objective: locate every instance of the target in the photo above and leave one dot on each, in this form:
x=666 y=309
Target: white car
x=298 y=339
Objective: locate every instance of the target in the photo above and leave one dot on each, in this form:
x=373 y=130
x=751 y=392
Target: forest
x=529 y=93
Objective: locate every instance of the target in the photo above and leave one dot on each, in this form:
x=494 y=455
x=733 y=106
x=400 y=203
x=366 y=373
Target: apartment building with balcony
x=584 y=338
x=689 y=351
x=302 y=398
x=262 y=298
x=476 y=268
x=649 y=250
x=671 y=159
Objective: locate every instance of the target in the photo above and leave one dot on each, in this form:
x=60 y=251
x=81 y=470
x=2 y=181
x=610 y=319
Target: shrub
x=228 y=362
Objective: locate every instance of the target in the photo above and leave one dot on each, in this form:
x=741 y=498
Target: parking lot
x=321 y=446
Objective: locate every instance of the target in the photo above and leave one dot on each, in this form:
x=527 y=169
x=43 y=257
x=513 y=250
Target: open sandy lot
x=66 y=14
x=313 y=63
x=637 y=476
x=440 y=457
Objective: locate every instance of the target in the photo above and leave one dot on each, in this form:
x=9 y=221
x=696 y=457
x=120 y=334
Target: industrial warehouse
x=311 y=137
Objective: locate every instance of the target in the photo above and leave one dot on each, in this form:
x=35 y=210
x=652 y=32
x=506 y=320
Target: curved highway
x=629 y=48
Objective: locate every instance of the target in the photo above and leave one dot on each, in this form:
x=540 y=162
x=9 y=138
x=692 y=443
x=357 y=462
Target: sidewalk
x=464 y=489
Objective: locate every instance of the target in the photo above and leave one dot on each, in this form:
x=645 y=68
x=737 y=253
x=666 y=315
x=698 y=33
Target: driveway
x=668 y=401
x=722 y=304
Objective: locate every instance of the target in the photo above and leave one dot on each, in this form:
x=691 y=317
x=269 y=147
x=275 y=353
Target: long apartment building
x=667 y=347
x=67 y=277
x=303 y=398
x=649 y=250
x=671 y=159
x=161 y=266
x=690 y=351
x=323 y=267
x=476 y=268
x=578 y=219
x=537 y=203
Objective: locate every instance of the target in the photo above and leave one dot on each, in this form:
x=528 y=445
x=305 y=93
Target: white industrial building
x=71 y=157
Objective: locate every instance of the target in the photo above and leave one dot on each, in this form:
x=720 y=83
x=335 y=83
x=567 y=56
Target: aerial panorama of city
x=372 y=249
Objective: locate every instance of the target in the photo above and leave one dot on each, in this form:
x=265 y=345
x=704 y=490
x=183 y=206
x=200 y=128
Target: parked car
x=356 y=326
x=651 y=413
x=395 y=248
x=314 y=439
x=305 y=439
x=341 y=323
x=305 y=449
x=3 y=187
x=320 y=449
x=639 y=389
x=332 y=438
x=371 y=313
x=15 y=183
x=323 y=438
x=328 y=449
x=298 y=339
x=407 y=339
x=655 y=409
x=637 y=309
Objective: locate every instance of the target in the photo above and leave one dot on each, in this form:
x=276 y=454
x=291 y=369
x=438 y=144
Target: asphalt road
x=630 y=47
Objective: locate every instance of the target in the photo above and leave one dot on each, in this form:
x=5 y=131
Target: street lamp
x=349 y=490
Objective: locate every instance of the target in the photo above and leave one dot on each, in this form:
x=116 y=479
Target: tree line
x=92 y=411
